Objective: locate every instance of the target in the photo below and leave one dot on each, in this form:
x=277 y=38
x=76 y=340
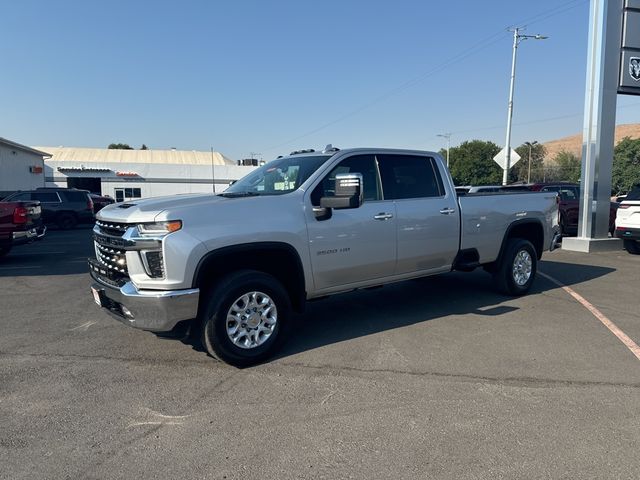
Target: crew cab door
x=427 y=213
x=353 y=245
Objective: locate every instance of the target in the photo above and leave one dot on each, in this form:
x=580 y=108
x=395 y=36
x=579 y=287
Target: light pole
x=530 y=145
x=517 y=38
x=448 y=137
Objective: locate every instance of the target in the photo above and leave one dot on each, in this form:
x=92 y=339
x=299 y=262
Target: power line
x=531 y=122
x=481 y=45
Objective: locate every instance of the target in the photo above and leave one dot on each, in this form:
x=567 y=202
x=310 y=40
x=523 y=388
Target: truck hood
x=147 y=210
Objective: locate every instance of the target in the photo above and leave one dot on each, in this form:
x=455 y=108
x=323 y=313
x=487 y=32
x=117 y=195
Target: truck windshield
x=280 y=176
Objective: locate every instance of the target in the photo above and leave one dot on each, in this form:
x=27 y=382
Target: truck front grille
x=110 y=228
x=110 y=253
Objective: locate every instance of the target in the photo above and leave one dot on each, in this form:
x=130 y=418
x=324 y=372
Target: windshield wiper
x=238 y=194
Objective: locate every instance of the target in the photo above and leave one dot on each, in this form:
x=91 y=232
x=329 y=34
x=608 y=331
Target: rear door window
x=409 y=176
x=75 y=196
x=45 y=197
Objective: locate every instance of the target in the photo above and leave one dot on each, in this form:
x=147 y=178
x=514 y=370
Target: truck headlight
x=159 y=229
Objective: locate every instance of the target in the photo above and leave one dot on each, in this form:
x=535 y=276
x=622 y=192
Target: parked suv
x=65 y=207
x=628 y=221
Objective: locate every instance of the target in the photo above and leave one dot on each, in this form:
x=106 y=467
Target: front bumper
x=154 y=310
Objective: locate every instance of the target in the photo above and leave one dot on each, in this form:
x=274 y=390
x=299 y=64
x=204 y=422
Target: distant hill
x=573 y=143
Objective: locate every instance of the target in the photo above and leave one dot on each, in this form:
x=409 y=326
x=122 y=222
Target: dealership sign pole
x=603 y=67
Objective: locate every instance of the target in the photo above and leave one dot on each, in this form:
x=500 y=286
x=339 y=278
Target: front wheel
x=518 y=267
x=4 y=251
x=632 y=246
x=245 y=318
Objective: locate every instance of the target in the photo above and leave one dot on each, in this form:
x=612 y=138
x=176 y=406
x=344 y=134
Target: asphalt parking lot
x=436 y=378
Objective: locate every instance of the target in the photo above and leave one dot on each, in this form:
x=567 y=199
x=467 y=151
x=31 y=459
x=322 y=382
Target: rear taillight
x=20 y=215
x=90 y=204
x=622 y=207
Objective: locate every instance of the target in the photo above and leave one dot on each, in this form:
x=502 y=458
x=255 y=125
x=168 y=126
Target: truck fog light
x=153 y=263
x=127 y=313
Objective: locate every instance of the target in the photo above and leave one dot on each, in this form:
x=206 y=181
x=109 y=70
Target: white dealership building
x=127 y=174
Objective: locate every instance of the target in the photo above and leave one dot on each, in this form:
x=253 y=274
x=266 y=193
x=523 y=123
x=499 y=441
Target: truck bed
x=485 y=214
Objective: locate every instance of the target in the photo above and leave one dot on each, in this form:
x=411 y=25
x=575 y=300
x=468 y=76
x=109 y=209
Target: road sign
x=501 y=158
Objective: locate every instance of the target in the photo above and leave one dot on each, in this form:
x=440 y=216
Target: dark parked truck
x=302 y=227
x=20 y=222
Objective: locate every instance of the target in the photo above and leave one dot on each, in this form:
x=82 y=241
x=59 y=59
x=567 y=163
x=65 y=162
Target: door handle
x=447 y=211
x=383 y=216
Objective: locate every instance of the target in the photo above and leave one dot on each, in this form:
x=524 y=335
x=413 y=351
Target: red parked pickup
x=20 y=223
x=569 y=194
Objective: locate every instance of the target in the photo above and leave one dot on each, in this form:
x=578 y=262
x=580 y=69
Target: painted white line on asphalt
x=84 y=326
x=623 y=337
x=20 y=268
x=35 y=253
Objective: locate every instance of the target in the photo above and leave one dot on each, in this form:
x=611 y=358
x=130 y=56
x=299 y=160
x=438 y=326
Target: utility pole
x=517 y=38
x=213 y=176
x=530 y=145
x=448 y=137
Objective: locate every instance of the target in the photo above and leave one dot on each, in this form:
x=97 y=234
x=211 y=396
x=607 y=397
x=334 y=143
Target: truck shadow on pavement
x=366 y=312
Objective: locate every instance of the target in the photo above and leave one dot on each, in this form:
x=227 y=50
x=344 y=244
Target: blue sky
x=269 y=77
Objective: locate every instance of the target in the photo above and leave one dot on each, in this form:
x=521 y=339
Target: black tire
x=4 y=251
x=218 y=303
x=66 y=221
x=505 y=277
x=632 y=246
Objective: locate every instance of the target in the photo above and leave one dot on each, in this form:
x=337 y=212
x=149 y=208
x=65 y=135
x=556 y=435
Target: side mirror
x=348 y=192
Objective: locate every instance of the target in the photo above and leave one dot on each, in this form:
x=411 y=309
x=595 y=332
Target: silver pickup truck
x=304 y=226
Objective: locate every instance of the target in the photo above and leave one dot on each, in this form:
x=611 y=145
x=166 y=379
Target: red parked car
x=569 y=194
x=100 y=201
x=20 y=222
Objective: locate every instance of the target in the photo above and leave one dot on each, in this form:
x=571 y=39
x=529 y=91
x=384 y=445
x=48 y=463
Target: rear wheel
x=245 y=318
x=517 y=268
x=4 y=251
x=632 y=246
x=66 y=221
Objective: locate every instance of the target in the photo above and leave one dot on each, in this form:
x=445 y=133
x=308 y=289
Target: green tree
x=143 y=147
x=119 y=146
x=566 y=168
x=471 y=163
x=520 y=170
x=626 y=166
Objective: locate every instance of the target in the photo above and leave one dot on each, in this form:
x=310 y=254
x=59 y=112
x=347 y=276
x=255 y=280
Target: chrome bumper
x=27 y=236
x=154 y=310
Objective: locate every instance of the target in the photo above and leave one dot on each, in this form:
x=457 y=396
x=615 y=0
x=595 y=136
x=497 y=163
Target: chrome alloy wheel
x=522 y=267
x=251 y=320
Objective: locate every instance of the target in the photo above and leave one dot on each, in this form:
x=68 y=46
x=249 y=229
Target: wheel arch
x=279 y=259
x=528 y=229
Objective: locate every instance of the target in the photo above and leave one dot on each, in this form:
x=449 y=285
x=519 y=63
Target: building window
x=123 y=194
x=132 y=193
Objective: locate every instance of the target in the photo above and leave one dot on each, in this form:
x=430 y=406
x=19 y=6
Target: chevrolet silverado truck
x=302 y=227
x=20 y=223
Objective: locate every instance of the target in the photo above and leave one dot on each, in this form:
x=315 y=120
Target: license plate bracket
x=96 y=296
